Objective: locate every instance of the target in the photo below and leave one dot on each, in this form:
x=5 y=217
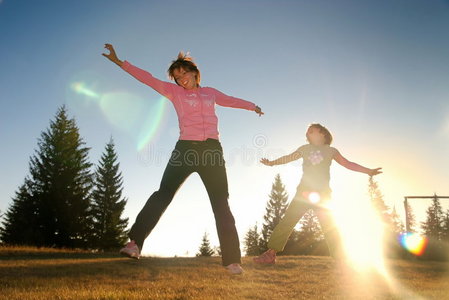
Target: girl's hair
x=323 y=130
x=184 y=61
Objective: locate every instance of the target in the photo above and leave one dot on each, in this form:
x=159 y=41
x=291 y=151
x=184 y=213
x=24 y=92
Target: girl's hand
x=373 y=172
x=266 y=162
x=112 y=56
x=258 y=111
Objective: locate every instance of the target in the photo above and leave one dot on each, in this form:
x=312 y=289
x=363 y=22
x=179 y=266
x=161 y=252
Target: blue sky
x=376 y=73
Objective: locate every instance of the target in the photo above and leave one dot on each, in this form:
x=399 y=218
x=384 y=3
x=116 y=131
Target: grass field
x=29 y=273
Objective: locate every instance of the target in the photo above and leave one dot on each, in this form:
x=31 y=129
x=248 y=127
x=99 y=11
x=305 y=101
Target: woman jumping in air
x=313 y=191
x=197 y=150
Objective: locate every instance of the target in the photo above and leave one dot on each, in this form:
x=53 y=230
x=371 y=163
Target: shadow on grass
x=77 y=268
x=35 y=253
x=295 y=262
x=67 y=266
x=14 y=255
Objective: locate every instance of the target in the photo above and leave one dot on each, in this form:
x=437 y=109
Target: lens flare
x=137 y=117
x=80 y=88
x=314 y=197
x=414 y=243
x=153 y=123
x=123 y=110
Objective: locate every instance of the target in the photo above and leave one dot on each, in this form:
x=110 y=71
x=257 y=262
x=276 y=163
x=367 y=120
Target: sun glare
x=362 y=234
x=314 y=197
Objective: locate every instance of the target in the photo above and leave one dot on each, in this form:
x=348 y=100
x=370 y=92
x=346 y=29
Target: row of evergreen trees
x=309 y=239
x=63 y=202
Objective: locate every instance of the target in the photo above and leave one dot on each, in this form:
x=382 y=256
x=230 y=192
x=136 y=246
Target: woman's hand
x=266 y=162
x=258 y=111
x=112 y=56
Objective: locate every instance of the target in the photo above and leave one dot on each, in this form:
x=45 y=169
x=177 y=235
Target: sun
x=359 y=225
x=362 y=234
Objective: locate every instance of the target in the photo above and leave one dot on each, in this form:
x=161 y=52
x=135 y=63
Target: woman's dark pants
x=205 y=158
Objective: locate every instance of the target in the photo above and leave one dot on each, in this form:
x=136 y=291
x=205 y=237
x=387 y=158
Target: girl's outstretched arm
x=354 y=166
x=282 y=160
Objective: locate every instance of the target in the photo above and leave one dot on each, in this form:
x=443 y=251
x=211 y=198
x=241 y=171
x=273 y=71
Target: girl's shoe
x=131 y=250
x=266 y=258
x=234 y=269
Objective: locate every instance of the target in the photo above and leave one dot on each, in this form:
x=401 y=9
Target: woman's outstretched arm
x=112 y=56
x=162 y=87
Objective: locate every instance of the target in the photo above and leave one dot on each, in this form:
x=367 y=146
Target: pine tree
x=205 y=248
x=252 y=240
x=19 y=224
x=378 y=202
x=58 y=190
x=433 y=226
x=109 y=229
x=274 y=210
x=391 y=221
x=217 y=250
x=411 y=218
x=396 y=225
x=309 y=233
x=310 y=227
x=445 y=236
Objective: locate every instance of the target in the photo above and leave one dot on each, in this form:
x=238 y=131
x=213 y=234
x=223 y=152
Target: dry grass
x=29 y=273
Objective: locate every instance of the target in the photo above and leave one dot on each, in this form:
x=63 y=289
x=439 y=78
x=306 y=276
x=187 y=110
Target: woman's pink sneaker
x=131 y=250
x=235 y=269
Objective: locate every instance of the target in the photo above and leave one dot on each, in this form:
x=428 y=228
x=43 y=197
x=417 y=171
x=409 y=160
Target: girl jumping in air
x=313 y=191
x=197 y=150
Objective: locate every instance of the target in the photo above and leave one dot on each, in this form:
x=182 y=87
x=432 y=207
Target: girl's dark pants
x=205 y=158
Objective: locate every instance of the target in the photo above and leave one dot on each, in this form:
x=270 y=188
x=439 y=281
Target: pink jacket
x=195 y=108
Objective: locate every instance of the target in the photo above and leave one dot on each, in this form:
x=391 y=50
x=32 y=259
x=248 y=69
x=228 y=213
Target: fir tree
x=397 y=226
x=445 y=235
x=19 y=224
x=433 y=226
x=217 y=250
x=308 y=234
x=411 y=218
x=58 y=190
x=107 y=203
x=391 y=221
x=205 y=248
x=377 y=201
x=252 y=240
x=310 y=227
x=274 y=211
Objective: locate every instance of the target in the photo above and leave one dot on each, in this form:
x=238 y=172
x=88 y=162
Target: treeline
x=309 y=239
x=66 y=201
